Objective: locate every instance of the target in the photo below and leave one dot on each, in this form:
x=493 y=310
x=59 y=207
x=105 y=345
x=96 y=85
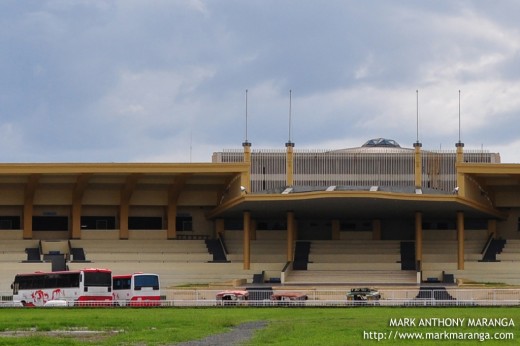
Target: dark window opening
x=470 y=224
x=9 y=222
x=269 y=225
x=234 y=225
x=98 y=222
x=184 y=223
x=50 y=223
x=356 y=226
x=145 y=222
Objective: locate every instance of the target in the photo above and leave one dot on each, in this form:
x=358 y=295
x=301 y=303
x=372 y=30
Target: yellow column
x=123 y=220
x=291 y=232
x=247 y=159
x=174 y=191
x=30 y=189
x=460 y=177
x=171 y=231
x=124 y=208
x=418 y=165
x=247 y=240
x=492 y=228
x=460 y=238
x=76 y=220
x=220 y=227
x=77 y=200
x=290 y=163
x=418 y=236
x=376 y=229
x=336 y=229
x=27 y=219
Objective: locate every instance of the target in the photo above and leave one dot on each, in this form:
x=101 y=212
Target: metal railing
x=318 y=298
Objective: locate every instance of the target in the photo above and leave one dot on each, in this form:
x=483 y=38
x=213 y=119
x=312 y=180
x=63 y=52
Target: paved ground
x=236 y=336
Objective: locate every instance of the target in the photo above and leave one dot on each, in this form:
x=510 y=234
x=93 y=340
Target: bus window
x=141 y=281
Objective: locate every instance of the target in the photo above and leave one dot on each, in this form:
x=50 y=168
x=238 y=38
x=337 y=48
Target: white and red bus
x=80 y=287
x=138 y=289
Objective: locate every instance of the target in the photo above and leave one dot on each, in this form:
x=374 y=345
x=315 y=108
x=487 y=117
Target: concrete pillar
x=27 y=219
x=123 y=220
x=290 y=163
x=247 y=240
x=76 y=220
x=220 y=228
x=418 y=165
x=77 y=201
x=492 y=228
x=460 y=239
x=174 y=191
x=246 y=182
x=124 y=208
x=418 y=236
x=30 y=190
x=291 y=232
x=460 y=177
x=171 y=232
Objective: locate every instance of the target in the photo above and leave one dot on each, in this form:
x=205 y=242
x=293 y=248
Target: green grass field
x=286 y=326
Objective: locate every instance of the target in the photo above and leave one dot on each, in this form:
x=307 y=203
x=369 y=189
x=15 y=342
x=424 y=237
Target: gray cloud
x=165 y=80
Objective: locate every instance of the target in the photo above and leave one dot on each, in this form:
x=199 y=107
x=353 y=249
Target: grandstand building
x=379 y=213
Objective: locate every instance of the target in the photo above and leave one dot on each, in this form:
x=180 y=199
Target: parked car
x=231 y=297
x=363 y=295
x=289 y=298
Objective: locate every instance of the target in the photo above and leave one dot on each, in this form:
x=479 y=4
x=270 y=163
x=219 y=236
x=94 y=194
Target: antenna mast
x=417 y=92
x=459 y=116
x=246 y=115
x=289 y=143
x=290 y=113
x=246 y=142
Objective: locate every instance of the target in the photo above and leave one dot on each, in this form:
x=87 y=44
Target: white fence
x=322 y=298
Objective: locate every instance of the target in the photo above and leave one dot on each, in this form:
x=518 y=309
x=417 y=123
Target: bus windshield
x=99 y=279
x=146 y=281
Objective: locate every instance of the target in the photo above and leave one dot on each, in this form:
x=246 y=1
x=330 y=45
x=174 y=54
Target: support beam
x=290 y=163
x=124 y=208
x=461 y=183
x=77 y=199
x=220 y=228
x=460 y=239
x=247 y=240
x=492 y=228
x=418 y=236
x=291 y=232
x=174 y=192
x=418 y=165
x=246 y=179
x=30 y=189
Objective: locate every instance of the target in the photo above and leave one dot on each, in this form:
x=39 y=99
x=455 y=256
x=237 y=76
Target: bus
x=80 y=287
x=138 y=289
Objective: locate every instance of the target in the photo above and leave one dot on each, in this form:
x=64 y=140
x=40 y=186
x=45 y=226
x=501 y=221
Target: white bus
x=138 y=289
x=82 y=287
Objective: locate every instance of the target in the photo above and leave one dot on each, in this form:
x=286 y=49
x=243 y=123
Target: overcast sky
x=165 y=81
